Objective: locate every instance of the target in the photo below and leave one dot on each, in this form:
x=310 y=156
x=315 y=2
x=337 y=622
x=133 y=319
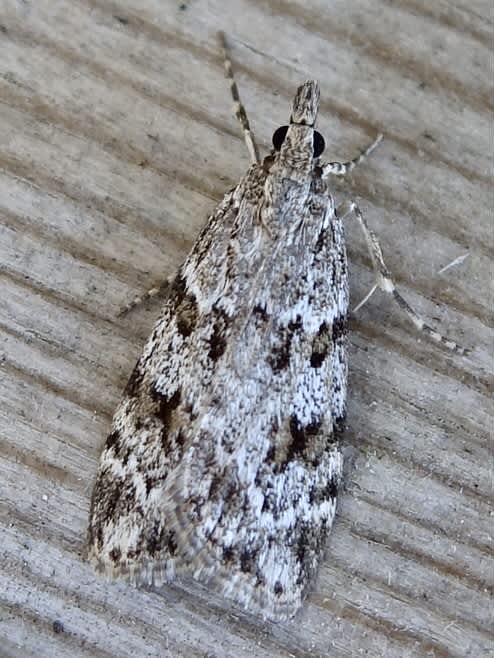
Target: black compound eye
x=280 y=134
x=319 y=144
x=279 y=137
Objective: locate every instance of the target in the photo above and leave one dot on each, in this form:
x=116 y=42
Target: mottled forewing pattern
x=223 y=460
x=129 y=530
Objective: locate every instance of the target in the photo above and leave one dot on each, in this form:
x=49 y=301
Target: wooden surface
x=116 y=140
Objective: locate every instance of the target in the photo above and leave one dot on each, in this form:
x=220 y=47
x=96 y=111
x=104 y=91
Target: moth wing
x=129 y=533
x=255 y=494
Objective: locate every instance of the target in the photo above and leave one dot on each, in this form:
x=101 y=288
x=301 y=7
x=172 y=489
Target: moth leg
x=342 y=168
x=384 y=280
x=160 y=291
x=239 y=109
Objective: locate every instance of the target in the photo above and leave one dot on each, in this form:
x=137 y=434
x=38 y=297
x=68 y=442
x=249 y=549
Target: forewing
x=255 y=494
x=129 y=529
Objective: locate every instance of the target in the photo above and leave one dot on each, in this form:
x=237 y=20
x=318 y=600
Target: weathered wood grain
x=116 y=140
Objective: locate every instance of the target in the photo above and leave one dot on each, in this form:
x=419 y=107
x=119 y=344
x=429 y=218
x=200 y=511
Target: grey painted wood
x=116 y=140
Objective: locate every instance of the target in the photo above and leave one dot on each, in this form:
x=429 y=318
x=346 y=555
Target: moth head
x=304 y=114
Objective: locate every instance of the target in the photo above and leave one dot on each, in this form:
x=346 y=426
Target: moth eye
x=280 y=134
x=279 y=137
x=319 y=144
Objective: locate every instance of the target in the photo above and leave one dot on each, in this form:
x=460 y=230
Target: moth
x=223 y=462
